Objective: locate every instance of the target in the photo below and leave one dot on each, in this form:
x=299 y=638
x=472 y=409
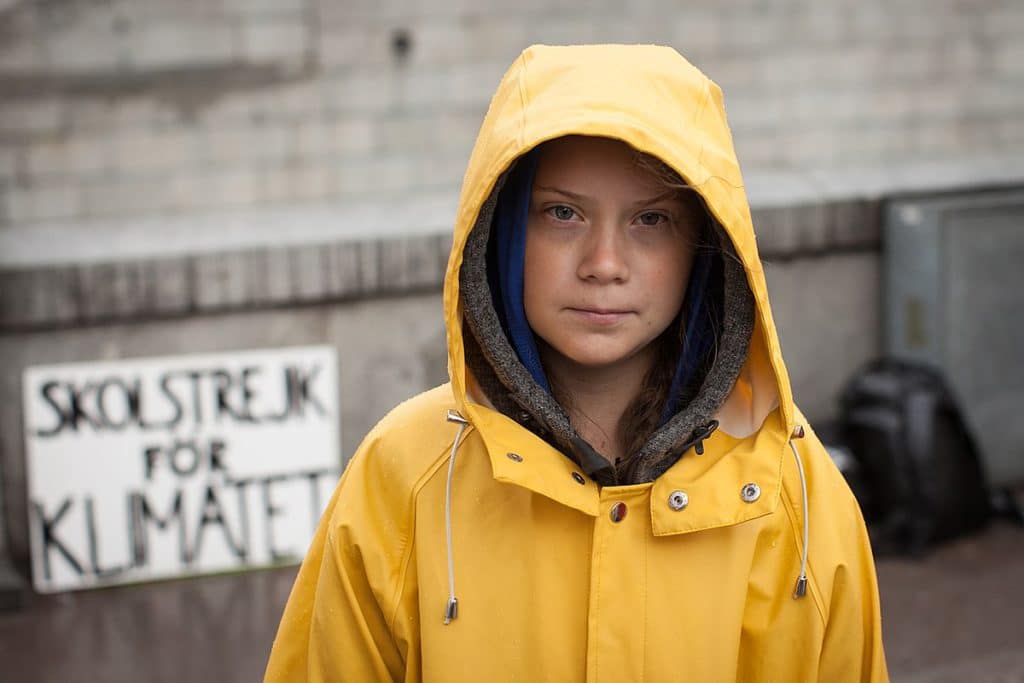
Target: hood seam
x=524 y=99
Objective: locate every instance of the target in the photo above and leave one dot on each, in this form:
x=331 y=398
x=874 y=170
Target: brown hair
x=641 y=417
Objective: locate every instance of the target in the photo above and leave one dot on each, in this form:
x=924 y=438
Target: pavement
x=958 y=614
x=955 y=615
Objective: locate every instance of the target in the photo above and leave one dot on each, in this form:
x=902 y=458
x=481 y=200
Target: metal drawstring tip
x=451 y=611
x=801 y=588
x=453 y=416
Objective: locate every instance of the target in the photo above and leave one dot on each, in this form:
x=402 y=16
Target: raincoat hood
x=655 y=101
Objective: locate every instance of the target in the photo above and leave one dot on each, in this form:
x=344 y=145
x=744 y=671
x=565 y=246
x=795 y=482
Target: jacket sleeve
x=852 y=649
x=842 y=573
x=335 y=625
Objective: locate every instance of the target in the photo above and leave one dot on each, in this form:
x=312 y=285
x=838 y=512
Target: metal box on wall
x=954 y=298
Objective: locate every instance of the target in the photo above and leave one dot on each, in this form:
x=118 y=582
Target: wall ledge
x=59 y=275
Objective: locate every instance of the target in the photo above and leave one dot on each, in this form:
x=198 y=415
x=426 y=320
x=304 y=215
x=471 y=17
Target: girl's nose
x=603 y=258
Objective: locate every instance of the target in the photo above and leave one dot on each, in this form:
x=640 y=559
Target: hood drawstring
x=451 y=610
x=801 y=582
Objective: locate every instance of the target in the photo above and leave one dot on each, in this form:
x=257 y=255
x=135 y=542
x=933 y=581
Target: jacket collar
x=713 y=483
x=520 y=457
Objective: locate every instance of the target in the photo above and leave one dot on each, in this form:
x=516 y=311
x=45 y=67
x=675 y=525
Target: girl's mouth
x=600 y=316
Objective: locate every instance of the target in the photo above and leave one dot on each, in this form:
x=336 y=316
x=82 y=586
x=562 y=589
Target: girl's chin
x=594 y=359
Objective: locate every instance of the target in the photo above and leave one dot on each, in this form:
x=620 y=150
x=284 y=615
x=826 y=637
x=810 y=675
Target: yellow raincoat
x=549 y=587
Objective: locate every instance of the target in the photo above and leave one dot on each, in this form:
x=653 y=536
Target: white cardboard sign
x=161 y=467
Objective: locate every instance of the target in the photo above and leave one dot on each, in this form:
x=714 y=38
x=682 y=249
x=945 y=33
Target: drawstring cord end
x=453 y=416
x=451 y=611
x=801 y=588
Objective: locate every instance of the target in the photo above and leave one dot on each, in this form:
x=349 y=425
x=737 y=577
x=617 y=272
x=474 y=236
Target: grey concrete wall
x=828 y=314
x=136 y=107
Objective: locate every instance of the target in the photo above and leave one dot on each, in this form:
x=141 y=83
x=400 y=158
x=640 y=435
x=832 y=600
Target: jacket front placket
x=617 y=620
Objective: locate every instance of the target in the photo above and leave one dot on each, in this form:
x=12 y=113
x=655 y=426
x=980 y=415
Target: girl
x=616 y=484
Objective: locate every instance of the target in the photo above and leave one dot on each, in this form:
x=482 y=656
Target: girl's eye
x=562 y=212
x=652 y=219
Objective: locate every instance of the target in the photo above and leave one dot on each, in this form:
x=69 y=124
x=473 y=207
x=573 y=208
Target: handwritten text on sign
x=160 y=467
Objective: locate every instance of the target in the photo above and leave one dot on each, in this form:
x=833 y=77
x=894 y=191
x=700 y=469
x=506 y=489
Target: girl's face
x=608 y=253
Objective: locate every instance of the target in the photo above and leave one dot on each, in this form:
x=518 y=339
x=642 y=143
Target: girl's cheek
x=541 y=251
x=658 y=236
x=552 y=236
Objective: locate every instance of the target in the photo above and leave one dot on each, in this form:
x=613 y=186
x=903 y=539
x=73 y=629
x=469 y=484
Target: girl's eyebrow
x=567 y=193
x=670 y=194
x=579 y=197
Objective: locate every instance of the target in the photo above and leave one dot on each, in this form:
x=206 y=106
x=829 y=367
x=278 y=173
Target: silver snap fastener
x=677 y=500
x=619 y=511
x=750 y=492
x=579 y=478
x=514 y=456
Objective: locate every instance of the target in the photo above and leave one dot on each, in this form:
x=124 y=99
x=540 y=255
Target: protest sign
x=159 y=467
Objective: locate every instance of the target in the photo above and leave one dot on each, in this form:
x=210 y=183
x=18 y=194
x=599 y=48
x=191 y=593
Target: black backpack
x=917 y=472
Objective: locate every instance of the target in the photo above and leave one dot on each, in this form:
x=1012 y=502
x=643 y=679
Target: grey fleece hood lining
x=514 y=392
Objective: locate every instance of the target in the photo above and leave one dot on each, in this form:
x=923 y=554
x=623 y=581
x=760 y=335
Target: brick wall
x=135 y=107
